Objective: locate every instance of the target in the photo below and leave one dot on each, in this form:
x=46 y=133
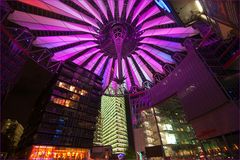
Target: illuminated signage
x=52 y=152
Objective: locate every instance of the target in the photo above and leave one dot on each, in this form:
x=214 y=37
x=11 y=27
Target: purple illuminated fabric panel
x=80 y=29
x=55 y=41
x=156 y=22
x=139 y=8
x=86 y=55
x=128 y=82
x=174 y=46
x=99 y=69
x=120 y=7
x=151 y=12
x=111 y=6
x=90 y=65
x=159 y=54
x=107 y=74
x=102 y=7
x=144 y=69
x=170 y=32
x=156 y=66
x=129 y=7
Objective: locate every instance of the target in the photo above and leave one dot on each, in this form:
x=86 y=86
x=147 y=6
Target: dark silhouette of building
x=65 y=114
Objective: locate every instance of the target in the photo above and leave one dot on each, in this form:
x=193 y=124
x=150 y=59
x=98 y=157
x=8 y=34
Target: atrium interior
x=120 y=79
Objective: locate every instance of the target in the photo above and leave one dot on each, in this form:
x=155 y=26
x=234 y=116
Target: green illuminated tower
x=114 y=123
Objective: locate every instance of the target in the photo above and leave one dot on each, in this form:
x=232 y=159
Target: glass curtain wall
x=165 y=125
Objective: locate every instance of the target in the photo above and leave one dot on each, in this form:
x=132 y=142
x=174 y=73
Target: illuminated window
x=63 y=85
x=149 y=133
x=82 y=92
x=71 y=88
x=63 y=102
x=75 y=97
x=150 y=140
x=170 y=138
x=167 y=127
x=67 y=103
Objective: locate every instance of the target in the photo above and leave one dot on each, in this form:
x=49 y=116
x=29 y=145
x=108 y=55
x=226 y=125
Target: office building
x=66 y=116
x=114 y=123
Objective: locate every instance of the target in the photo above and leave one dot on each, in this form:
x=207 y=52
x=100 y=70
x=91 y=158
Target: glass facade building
x=67 y=113
x=165 y=125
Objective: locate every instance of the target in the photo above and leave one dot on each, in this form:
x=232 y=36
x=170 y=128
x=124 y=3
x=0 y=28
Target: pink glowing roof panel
x=156 y=66
x=151 y=12
x=86 y=55
x=106 y=76
x=156 y=22
x=102 y=7
x=144 y=69
x=169 y=31
x=174 y=46
x=139 y=8
x=90 y=65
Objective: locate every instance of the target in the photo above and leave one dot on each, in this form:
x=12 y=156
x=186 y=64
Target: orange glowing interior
x=51 y=152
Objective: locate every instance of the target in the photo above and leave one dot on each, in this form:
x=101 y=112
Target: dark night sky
x=21 y=99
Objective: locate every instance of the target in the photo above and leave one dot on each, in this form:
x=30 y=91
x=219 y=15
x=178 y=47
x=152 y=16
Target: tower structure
x=114 y=123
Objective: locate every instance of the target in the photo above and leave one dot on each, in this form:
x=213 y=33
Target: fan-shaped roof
x=81 y=31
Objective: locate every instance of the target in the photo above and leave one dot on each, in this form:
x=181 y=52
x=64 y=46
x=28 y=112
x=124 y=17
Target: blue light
x=162 y=4
x=58 y=131
x=121 y=156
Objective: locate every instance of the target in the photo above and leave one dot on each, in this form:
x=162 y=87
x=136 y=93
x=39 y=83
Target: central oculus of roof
x=114 y=32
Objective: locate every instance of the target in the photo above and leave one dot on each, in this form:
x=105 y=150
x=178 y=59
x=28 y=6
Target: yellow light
x=235 y=146
x=68 y=153
x=199 y=6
